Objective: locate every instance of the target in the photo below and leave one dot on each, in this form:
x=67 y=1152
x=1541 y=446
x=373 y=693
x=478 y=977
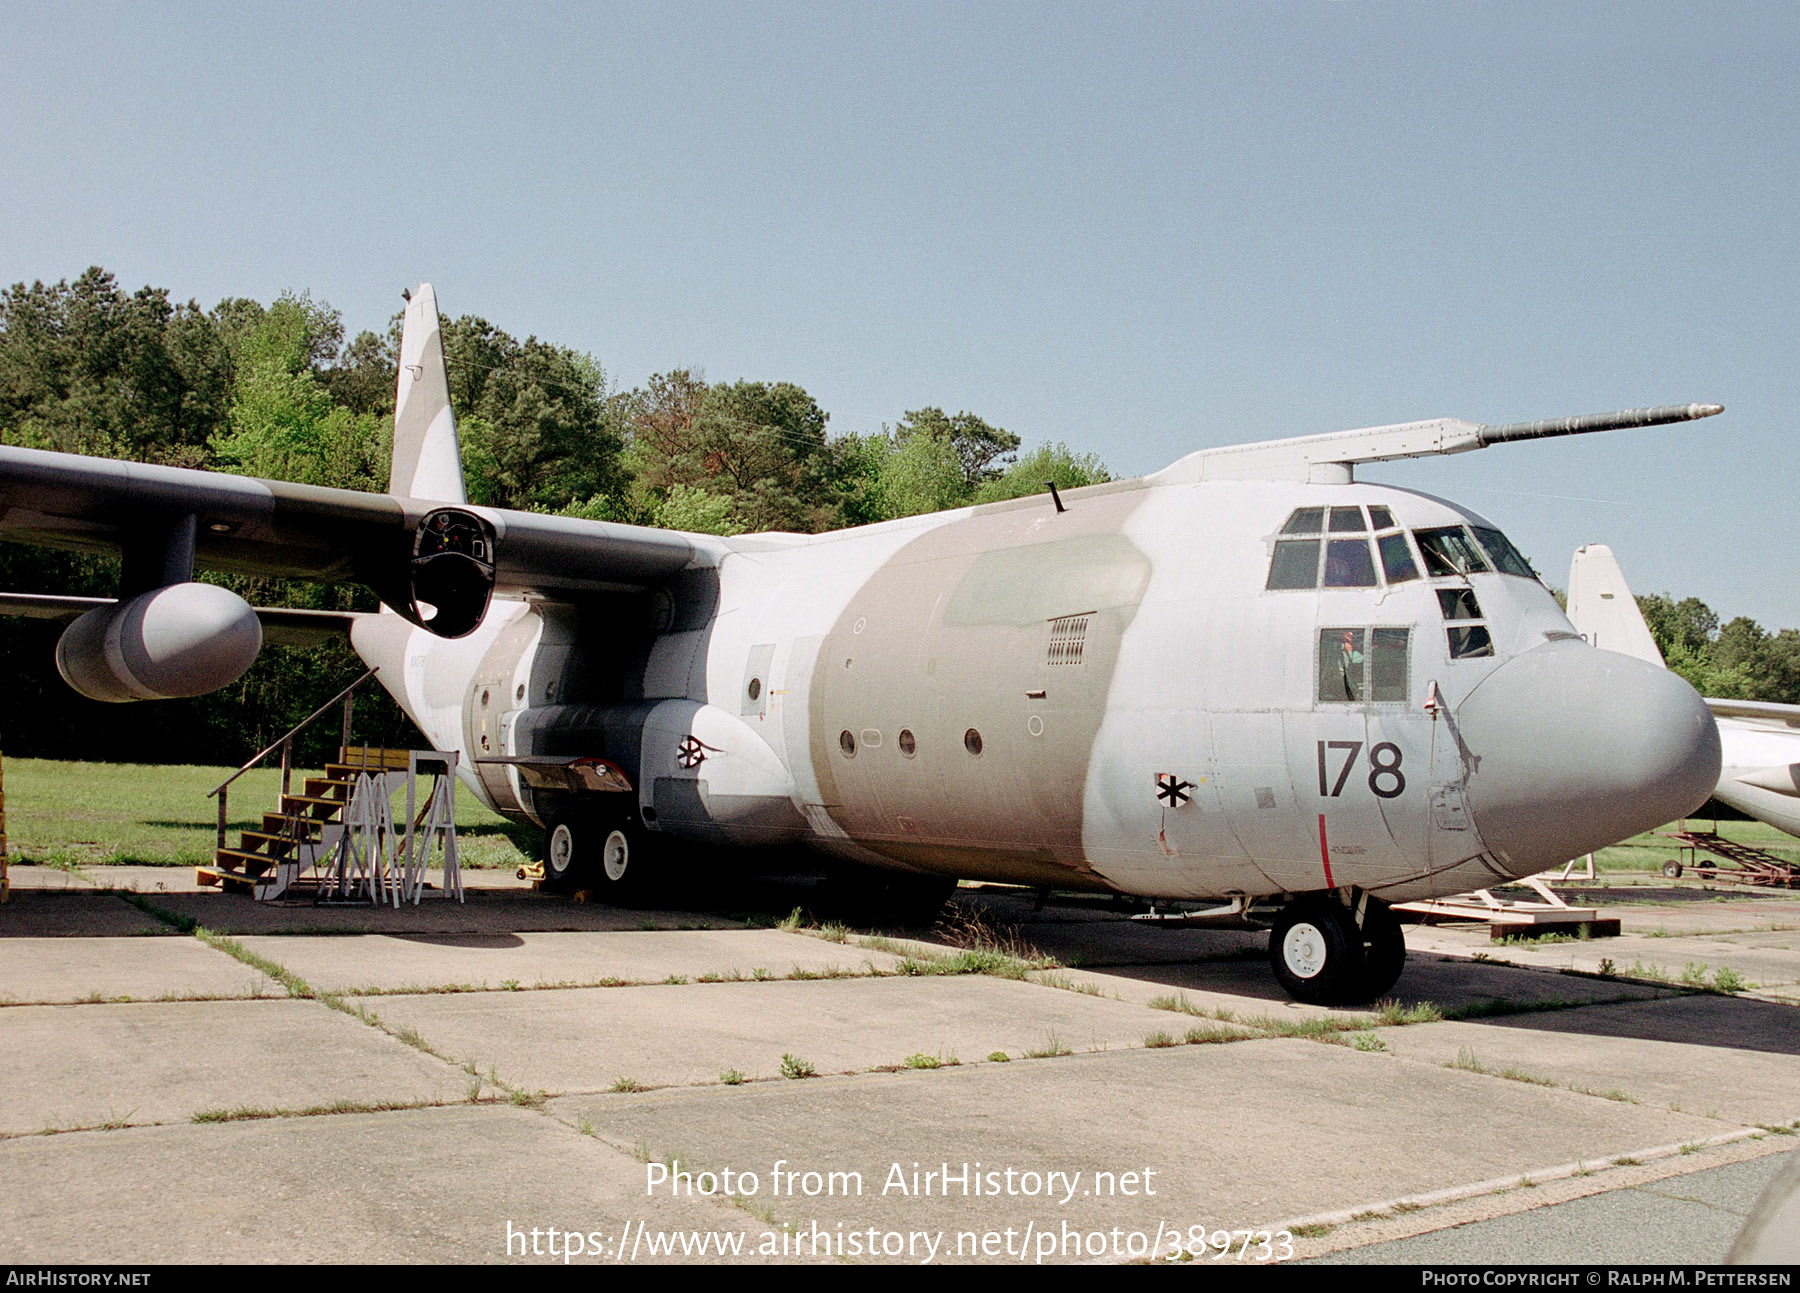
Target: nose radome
x=1570 y=748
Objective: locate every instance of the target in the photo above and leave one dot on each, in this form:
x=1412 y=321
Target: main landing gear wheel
x=1321 y=957
x=1672 y=870
x=607 y=855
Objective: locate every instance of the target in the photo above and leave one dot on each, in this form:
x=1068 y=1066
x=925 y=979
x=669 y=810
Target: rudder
x=427 y=459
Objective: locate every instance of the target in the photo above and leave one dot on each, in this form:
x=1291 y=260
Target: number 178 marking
x=1386 y=781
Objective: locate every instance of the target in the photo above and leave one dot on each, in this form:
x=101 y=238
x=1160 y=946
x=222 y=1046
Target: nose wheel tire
x=1321 y=957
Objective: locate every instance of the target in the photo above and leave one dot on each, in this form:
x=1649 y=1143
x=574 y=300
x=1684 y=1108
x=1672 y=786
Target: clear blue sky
x=1136 y=228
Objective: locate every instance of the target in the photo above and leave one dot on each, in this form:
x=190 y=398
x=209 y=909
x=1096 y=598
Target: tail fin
x=1602 y=608
x=427 y=459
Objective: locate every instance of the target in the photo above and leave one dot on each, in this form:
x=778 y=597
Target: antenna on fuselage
x=1332 y=458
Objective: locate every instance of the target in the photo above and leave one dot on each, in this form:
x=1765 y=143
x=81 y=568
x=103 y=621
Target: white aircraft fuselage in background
x=1759 y=740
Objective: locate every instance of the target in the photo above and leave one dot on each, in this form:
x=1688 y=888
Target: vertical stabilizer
x=1602 y=608
x=427 y=459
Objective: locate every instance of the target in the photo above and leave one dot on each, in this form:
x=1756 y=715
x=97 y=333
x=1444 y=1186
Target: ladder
x=1747 y=863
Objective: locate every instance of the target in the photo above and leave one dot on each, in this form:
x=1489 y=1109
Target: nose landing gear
x=1322 y=956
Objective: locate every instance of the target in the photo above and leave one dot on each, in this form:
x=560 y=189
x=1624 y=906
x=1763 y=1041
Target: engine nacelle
x=448 y=579
x=181 y=640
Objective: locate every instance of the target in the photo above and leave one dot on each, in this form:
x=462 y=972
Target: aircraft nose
x=1570 y=748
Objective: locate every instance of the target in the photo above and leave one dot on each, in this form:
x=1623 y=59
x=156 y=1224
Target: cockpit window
x=1380 y=517
x=1342 y=663
x=1363 y=664
x=1396 y=557
x=1448 y=550
x=1506 y=557
x=1305 y=520
x=1458 y=604
x=1296 y=564
x=1347 y=520
x=1347 y=563
x=1469 y=641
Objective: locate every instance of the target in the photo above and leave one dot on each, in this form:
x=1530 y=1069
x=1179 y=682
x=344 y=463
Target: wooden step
x=250 y=864
x=329 y=787
x=369 y=758
x=311 y=806
x=265 y=843
x=280 y=824
x=224 y=878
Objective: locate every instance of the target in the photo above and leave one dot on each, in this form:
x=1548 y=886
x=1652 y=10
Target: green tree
x=1055 y=463
x=982 y=450
x=87 y=368
x=923 y=473
x=537 y=427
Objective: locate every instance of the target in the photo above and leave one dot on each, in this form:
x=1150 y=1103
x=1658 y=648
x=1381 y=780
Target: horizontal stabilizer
x=1602 y=608
x=1767 y=712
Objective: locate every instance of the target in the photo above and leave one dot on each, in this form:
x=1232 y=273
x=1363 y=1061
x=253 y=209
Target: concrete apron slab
x=50 y=913
x=1768 y=958
x=485 y=912
x=1722 y=1057
x=130 y=969
x=1249 y=990
x=391 y=962
x=425 y=1185
x=1241 y=1135
x=585 y=1039
x=91 y=1065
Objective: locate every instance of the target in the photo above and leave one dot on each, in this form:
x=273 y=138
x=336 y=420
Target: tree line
x=278 y=391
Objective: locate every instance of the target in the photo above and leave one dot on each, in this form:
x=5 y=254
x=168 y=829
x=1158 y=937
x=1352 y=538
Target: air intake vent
x=1068 y=636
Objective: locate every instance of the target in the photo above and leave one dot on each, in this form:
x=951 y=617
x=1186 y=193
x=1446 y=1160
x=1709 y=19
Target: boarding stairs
x=339 y=840
x=1738 y=863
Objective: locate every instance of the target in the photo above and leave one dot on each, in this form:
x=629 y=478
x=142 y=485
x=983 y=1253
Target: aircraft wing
x=281 y=625
x=270 y=527
x=1763 y=713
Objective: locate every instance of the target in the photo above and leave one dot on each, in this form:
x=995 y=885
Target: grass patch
x=71 y=815
x=1367 y=1042
x=1176 y=1001
x=1053 y=1046
x=1310 y=1230
x=999 y=1057
x=623 y=1085
x=733 y=1077
x=1391 y=1014
x=792 y=1066
x=1159 y=1039
x=1211 y=1032
x=920 y=1060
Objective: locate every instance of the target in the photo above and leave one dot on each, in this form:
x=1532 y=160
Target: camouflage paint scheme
x=1094 y=693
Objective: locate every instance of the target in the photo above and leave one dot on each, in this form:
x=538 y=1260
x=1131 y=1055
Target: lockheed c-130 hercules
x=1246 y=679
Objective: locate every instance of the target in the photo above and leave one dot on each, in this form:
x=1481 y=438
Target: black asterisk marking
x=691 y=753
x=1172 y=790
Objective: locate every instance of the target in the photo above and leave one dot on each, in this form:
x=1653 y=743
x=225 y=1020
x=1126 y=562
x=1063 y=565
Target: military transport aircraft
x=1246 y=679
x=1760 y=740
